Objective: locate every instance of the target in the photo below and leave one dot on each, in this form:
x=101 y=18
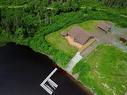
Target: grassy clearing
x=57 y=41
x=104 y=71
x=90 y=26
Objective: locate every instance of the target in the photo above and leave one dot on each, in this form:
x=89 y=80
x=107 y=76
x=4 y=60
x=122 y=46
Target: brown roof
x=79 y=35
x=105 y=26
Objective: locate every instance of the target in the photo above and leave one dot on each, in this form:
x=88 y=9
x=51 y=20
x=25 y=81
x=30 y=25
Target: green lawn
x=104 y=71
x=91 y=25
x=56 y=40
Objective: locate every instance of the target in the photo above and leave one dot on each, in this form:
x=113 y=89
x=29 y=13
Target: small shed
x=105 y=26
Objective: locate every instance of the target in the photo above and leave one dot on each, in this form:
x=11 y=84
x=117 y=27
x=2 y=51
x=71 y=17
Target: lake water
x=22 y=71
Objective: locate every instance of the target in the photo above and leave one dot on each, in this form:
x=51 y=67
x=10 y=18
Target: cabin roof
x=79 y=35
x=105 y=26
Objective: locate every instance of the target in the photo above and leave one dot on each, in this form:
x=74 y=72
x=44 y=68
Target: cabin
x=106 y=27
x=78 y=35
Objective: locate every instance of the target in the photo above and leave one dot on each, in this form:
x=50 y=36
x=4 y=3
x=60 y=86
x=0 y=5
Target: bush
x=19 y=32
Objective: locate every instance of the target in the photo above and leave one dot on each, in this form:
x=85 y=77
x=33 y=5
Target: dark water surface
x=22 y=71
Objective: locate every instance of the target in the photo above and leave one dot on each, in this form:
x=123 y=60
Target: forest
x=26 y=17
x=115 y=3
